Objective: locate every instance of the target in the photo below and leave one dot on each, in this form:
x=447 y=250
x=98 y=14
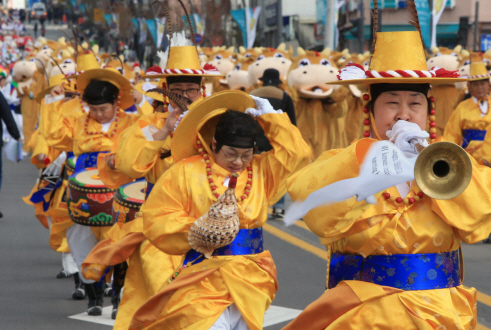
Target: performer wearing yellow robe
x=137 y=155
x=471 y=119
x=141 y=152
x=106 y=91
x=395 y=263
x=247 y=283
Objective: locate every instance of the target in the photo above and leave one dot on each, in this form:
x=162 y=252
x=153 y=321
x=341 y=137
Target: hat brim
x=165 y=75
x=477 y=79
x=184 y=140
x=43 y=93
x=113 y=77
x=371 y=81
x=153 y=95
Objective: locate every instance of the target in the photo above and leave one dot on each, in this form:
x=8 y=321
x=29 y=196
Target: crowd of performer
x=155 y=184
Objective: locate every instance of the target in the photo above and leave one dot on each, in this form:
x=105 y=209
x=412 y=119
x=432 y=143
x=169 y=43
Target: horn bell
x=443 y=170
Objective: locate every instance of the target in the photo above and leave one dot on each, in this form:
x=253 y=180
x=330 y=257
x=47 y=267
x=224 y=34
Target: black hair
x=183 y=79
x=236 y=129
x=99 y=92
x=377 y=89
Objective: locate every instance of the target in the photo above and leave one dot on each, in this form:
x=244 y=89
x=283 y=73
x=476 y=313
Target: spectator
x=8 y=119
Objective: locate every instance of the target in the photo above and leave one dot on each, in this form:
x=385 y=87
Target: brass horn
x=443 y=170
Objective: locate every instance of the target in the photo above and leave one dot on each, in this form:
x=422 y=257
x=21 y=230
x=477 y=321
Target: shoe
x=79 y=293
x=63 y=274
x=487 y=240
x=277 y=214
x=115 y=301
x=1 y=215
x=95 y=311
x=108 y=291
x=96 y=297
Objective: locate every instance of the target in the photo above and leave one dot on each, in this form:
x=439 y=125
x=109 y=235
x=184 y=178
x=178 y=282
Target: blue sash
x=38 y=196
x=149 y=189
x=403 y=271
x=87 y=160
x=247 y=241
x=472 y=135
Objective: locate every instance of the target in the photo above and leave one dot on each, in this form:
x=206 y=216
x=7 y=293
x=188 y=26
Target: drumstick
x=69 y=94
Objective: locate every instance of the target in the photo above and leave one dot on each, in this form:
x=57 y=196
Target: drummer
x=106 y=92
x=143 y=152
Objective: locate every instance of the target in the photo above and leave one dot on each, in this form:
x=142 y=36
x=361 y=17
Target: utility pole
x=361 y=27
x=477 y=43
x=329 y=28
x=279 y=22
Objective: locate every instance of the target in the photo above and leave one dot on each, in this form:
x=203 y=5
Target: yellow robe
x=428 y=226
x=67 y=132
x=29 y=109
x=323 y=125
x=467 y=115
x=447 y=97
x=180 y=197
x=40 y=147
x=148 y=267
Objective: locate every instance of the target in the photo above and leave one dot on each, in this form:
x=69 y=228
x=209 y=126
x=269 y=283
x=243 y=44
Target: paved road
x=32 y=298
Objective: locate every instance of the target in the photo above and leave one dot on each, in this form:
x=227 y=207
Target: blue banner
x=152 y=28
x=82 y=7
x=424 y=14
x=109 y=19
x=186 y=22
x=240 y=18
x=135 y=22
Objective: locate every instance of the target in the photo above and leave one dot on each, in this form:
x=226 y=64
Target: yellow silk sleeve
x=333 y=220
x=145 y=110
x=57 y=128
x=453 y=129
x=289 y=154
x=470 y=212
x=166 y=215
x=135 y=155
x=42 y=147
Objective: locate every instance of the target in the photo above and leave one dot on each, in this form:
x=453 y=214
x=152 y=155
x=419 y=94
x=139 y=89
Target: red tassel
x=233 y=180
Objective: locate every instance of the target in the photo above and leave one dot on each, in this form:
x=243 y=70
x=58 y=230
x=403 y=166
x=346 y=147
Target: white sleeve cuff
x=48 y=99
x=149 y=131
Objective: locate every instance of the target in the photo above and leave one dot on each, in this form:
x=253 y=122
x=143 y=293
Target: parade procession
x=223 y=165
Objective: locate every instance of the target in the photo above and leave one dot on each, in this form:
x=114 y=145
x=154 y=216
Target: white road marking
x=274 y=315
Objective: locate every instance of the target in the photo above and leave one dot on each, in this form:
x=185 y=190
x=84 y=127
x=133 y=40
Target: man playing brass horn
x=394 y=251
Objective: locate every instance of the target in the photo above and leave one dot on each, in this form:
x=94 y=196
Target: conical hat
x=478 y=68
x=398 y=58
x=184 y=61
x=110 y=75
x=201 y=121
x=85 y=62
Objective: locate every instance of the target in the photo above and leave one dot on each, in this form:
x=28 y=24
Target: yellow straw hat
x=201 y=121
x=52 y=83
x=144 y=87
x=184 y=61
x=478 y=68
x=398 y=58
x=85 y=62
x=112 y=76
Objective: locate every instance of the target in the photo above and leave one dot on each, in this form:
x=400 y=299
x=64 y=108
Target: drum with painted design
x=70 y=166
x=127 y=201
x=89 y=200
